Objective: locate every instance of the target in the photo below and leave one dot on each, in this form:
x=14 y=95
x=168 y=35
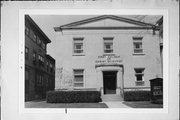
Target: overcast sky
x=48 y=22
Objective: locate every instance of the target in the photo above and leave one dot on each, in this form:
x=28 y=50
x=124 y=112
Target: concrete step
x=111 y=97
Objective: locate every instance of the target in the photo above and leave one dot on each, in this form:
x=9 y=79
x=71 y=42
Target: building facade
x=108 y=53
x=39 y=67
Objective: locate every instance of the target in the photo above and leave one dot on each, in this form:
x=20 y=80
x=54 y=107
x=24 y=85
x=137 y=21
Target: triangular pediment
x=106 y=21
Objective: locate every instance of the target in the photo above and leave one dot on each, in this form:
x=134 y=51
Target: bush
x=137 y=95
x=73 y=97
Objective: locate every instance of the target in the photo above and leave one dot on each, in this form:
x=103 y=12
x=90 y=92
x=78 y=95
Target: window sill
x=78 y=88
x=139 y=83
x=78 y=55
x=105 y=54
x=138 y=53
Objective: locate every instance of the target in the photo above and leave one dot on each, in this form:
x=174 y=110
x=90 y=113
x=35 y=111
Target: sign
x=157 y=90
x=108 y=60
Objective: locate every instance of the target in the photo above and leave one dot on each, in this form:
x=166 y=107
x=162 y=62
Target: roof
x=76 y=25
x=50 y=58
x=155 y=79
x=27 y=17
x=160 y=21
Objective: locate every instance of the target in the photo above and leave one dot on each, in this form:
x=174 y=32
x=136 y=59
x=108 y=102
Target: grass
x=43 y=104
x=142 y=104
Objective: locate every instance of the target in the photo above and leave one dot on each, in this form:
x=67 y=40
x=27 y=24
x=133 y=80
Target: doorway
x=109 y=82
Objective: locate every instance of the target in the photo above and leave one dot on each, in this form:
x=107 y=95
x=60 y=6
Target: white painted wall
x=123 y=46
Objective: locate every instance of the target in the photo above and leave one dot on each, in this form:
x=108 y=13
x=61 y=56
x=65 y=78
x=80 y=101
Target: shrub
x=137 y=95
x=73 y=96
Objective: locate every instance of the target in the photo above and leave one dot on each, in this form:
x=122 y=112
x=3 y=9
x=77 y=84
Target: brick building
x=39 y=66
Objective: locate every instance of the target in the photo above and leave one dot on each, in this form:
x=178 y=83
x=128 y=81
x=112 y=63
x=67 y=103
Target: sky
x=48 y=22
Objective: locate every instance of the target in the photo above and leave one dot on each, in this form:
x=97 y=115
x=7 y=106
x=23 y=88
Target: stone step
x=111 y=98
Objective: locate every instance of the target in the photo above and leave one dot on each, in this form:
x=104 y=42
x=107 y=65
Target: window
x=78 y=78
x=39 y=57
x=139 y=73
x=39 y=41
x=51 y=68
x=47 y=64
x=108 y=45
x=27 y=31
x=43 y=45
x=137 y=42
x=78 y=46
x=34 y=56
x=27 y=81
x=39 y=80
x=34 y=37
x=26 y=53
x=41 y=60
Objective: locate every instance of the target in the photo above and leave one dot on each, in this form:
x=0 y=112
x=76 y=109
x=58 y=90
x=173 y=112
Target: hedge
x=73 y=96
x=137 y=96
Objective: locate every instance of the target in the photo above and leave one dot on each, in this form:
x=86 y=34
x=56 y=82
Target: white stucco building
x=108 y=53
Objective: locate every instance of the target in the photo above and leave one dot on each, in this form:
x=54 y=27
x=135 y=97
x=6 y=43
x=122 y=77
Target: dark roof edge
x=160 y=21
x=50 y=58
x=107 y=28
x=37 y=27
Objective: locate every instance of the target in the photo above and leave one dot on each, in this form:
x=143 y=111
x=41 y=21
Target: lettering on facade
x=108 y=59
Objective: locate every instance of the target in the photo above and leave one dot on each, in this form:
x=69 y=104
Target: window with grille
x=79 y=78
x=139 y=73
x=137 y=42
x=108 y=45
x=78 y=46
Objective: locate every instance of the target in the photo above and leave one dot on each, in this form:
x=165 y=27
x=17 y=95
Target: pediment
x=108 y=22
x=105 y=21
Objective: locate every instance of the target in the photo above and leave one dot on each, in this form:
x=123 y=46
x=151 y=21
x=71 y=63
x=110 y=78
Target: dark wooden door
x=109 y=82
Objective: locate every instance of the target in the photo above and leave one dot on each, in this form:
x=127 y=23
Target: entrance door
x=109 y=82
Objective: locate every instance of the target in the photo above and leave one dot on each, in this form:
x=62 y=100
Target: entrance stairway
x=111 y=97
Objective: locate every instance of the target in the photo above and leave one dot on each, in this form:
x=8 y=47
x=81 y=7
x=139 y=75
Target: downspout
x=154 y=29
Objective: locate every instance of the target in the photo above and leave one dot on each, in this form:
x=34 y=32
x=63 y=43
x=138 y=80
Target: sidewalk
x=116 y=104
x=44 y=104
x=138 y=104
x=106 y=104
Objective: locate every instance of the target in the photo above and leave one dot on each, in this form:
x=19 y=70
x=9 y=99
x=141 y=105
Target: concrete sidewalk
x=116 y=104
x=134 y=104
